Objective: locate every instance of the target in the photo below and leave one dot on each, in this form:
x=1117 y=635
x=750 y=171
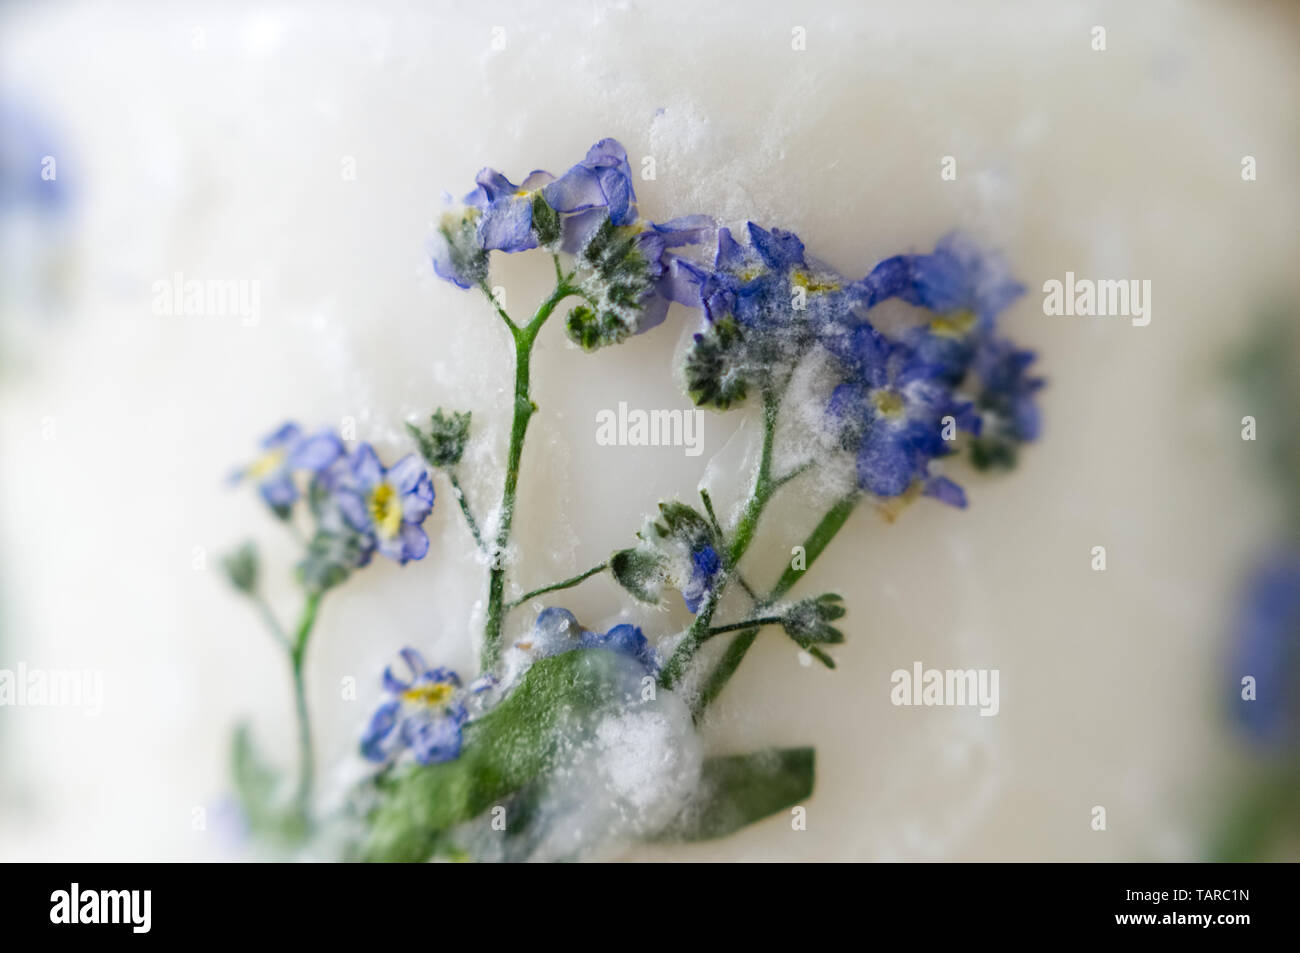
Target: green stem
x=762 y=492
x=813 y=546
x=306 y=755
x=272 y=623
x=524 y=408
x=483 y=286
x=747 y=624
x=566 y=584
x=464 y=508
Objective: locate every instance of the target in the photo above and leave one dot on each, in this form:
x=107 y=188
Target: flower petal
x=316 y=452
x=366 y=466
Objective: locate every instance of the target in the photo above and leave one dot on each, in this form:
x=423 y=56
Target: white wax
x=211 y=139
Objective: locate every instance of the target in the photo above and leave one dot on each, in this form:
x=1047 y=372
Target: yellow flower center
x=267 y=464
x=811 y=283
x=749 y=274
x=888 y=402
x=434 y=695
x=955 y=325
x=386 y=509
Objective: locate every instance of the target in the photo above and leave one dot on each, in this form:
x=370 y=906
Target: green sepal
x=643 y=569
x=442 y=444
x=242 y=568
x=684 y=522
x=617 y=285
x=546 y=222
x=714 y=366
x=808 y=621
x=640 y=572
x=468 y=258
x=992 y=453
x=329 y=560
x=591 y=331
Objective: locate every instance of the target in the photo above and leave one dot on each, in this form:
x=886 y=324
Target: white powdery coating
x=632 y=774
x=640 y=758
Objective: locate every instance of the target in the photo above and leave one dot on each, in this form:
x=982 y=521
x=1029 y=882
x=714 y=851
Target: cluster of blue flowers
x=899 y=404
x=359 y=505
x=765 y=303
x=625 y=267
x=898 y=401
x=429 y=709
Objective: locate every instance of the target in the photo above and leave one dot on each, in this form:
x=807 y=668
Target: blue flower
x=388 y=505
x=1006 y=396
x=760 y=284
x=557 y=631
x=425 y=717
x=964 y=286
x=958 y=276
x=603 y=180
x=456 y=254
x=766 y=303
x=892 y=409
x=706 y=566
x=498 y=215
x=506 y=219
x=629 y=274
x=26 y=145
x=669 y=276
x=285 y=452
x=1267 y=648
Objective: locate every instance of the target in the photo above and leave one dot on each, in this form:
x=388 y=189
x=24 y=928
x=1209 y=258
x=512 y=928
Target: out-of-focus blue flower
x=285 y=452
x=425 y=716
x=1006 y=390
x=957 y=276
x=706 y=566
x=892 y=410
x=388 y=504
x=29 y=160
x=1267 y=647
x=965 y=286
x=557 y=631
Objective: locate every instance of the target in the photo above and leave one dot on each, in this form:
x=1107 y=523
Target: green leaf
x=258 y=788
x=737 y=790
x=503 y=751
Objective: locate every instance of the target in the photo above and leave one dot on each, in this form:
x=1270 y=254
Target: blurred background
x=304 y=149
